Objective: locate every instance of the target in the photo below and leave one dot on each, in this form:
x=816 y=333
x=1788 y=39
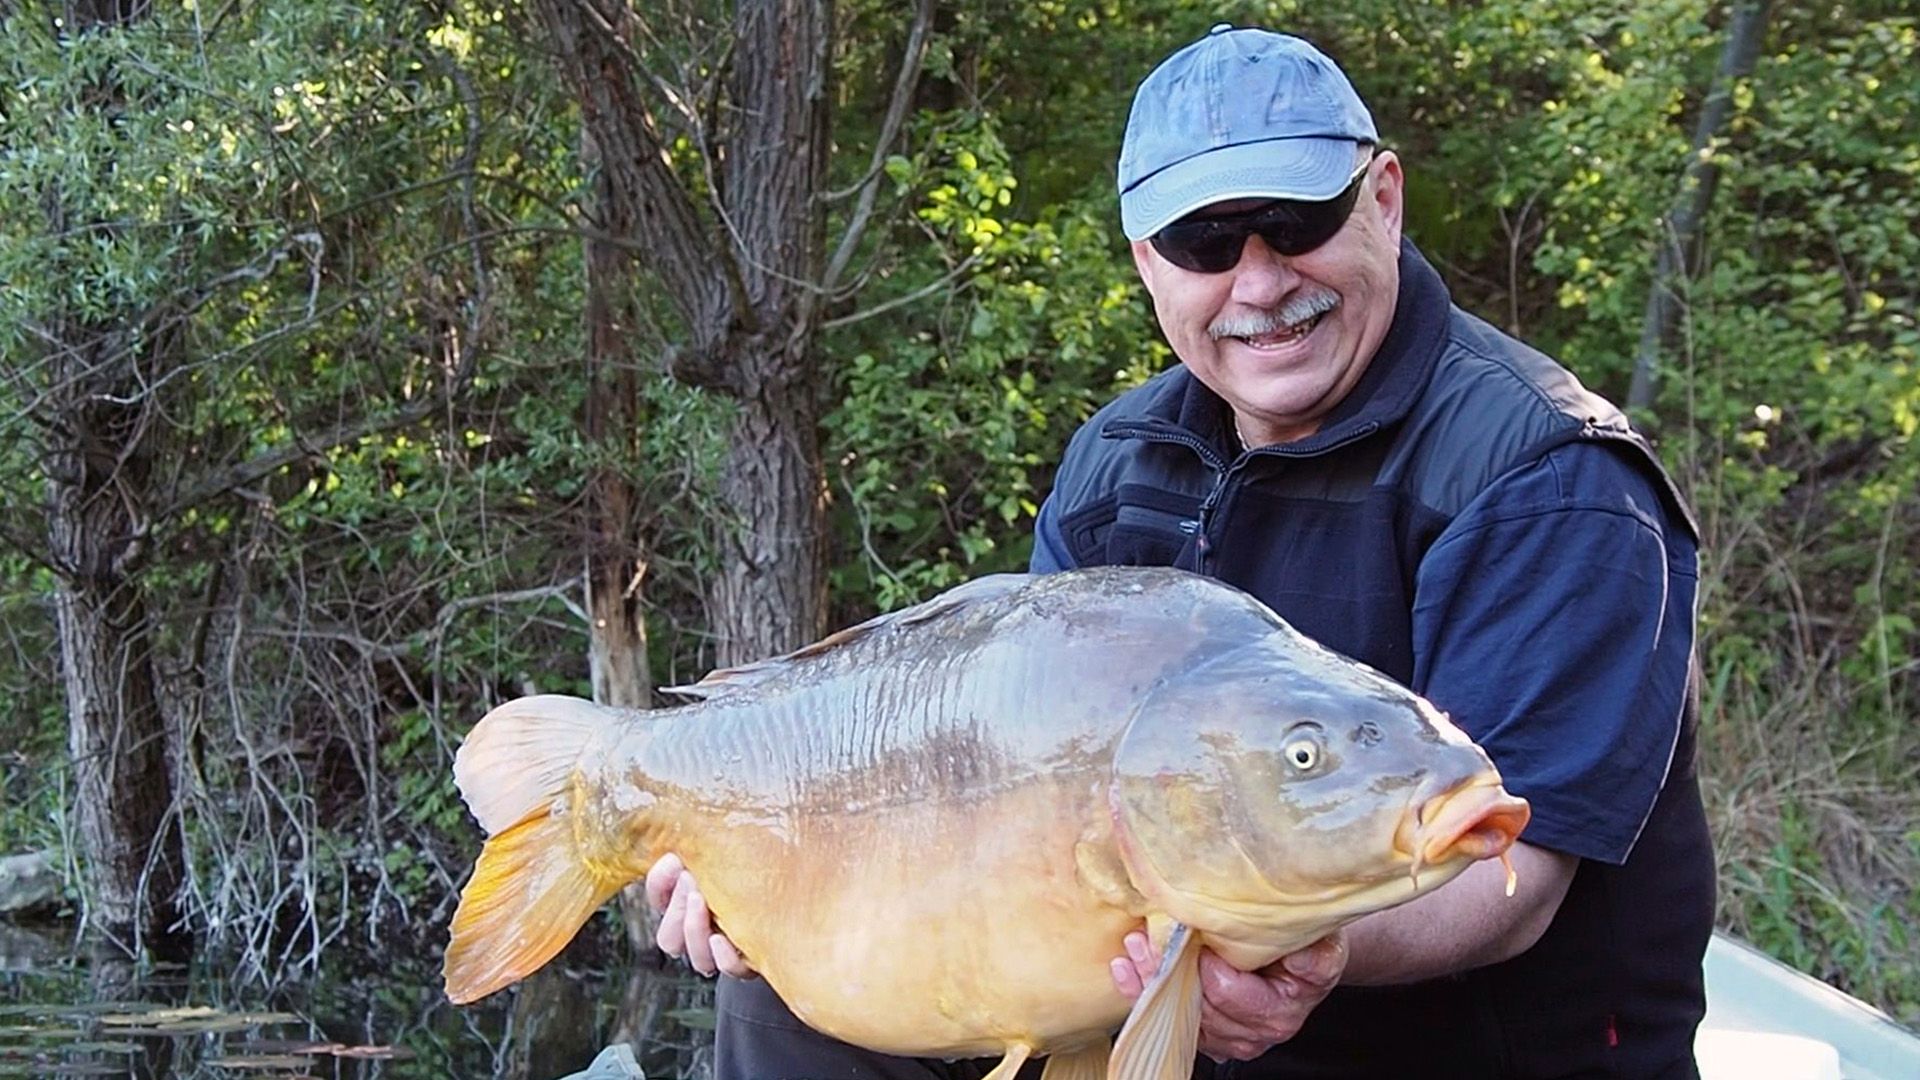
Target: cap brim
x=1298 y=168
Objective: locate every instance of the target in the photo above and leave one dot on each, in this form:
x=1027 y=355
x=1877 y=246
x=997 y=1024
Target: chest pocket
x=1136 y=526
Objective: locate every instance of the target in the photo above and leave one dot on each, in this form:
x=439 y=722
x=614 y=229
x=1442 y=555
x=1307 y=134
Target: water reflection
x=68 y=1014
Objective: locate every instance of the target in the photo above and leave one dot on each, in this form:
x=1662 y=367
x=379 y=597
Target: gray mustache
x=1298 y=309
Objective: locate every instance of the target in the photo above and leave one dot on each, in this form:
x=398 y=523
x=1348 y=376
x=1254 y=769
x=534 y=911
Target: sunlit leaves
x=949 y=423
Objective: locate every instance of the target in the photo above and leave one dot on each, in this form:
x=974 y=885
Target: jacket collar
x=1181 y=405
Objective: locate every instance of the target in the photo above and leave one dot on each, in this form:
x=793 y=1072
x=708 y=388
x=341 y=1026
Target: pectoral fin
x=1017 y=1055
x=1087 y=1063
x=1163 y=1029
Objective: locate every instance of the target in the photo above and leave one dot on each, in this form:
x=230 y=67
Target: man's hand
x=686 y=926
x=1243 y=1014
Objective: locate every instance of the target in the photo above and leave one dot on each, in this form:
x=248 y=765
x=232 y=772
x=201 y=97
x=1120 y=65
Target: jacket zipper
x=1203 y=520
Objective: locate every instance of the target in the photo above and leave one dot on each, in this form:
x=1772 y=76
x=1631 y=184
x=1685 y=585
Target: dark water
x=366 y=1016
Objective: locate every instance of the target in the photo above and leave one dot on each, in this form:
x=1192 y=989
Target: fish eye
x=1302 y=753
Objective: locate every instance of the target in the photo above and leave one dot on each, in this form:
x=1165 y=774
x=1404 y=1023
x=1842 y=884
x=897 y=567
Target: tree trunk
x=616 y=542
x=771 y=594
x=100 y=418
x=743 y=261
x=616 y=548
x=98 y=470
x=1681 y=227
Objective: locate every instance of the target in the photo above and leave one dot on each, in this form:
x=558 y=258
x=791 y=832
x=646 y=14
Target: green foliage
x=950 y=416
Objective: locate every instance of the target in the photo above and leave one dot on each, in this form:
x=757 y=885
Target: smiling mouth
x=1285 y=335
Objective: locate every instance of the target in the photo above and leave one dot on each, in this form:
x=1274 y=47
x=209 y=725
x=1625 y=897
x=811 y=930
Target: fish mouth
x=1477 y=819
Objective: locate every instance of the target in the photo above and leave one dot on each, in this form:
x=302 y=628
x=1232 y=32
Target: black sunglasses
x=1212 y=245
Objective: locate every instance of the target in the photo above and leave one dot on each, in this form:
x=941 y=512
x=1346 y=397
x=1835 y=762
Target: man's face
x=1282 y=339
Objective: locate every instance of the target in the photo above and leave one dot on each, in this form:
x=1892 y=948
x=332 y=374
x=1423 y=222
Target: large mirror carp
x=931 y=831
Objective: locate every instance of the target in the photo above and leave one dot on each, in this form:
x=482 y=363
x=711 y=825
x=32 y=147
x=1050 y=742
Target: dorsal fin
x=724 y=681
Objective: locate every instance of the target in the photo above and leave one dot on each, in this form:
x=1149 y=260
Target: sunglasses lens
x=1301 y=233
x=1213 y=245
x=1204 y=247
x=1297 y=228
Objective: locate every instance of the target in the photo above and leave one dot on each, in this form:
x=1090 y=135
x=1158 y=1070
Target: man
x=1419 y=491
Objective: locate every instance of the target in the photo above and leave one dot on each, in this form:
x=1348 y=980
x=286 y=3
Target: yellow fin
x=529 y=893
x=1017 y=1055
x=1163 y=1029
x=1087 y=1063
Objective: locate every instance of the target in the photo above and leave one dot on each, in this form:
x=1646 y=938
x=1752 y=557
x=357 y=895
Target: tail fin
x=530 y=893
x=531 y=889
x=520 y=755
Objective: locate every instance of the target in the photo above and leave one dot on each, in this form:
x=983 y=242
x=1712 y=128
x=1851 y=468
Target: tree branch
x=902 y=301
x=594 y=58
x=477 y=303
x=465 y=358
x=220 y=481
x=911 y=64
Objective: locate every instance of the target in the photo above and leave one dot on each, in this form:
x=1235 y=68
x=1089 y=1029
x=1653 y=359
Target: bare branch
x=221 y=481
x=466 y=351
x=911 y=64
x=476 y=304
x=452 y=609
x=902 y=301
x=32 y=548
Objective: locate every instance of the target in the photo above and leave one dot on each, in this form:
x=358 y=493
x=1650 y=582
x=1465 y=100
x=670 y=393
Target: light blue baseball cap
x=1239 y=114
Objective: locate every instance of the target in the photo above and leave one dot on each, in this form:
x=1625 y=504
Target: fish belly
x=946 y=927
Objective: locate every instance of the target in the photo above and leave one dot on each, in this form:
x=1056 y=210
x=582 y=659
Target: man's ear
x=1387 y=188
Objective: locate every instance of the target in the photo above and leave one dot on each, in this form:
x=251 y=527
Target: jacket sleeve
x=1554 y=621
x=1049 y=544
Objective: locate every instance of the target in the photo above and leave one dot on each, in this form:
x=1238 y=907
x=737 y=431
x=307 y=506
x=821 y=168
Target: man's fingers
x=1125 y=979
x=1223 y=1038
x=1245 y=1014
x=1244 y=995
x=686 y=925
x=728 y=959
x=1232 y=1049
x=1243 y=1003
x=661 y=878
x=1133 y=971
x=672 y=934
x=698 y=930
x=1320 y=964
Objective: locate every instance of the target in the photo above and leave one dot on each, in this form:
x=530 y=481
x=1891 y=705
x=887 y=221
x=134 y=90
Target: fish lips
x=1477 y=819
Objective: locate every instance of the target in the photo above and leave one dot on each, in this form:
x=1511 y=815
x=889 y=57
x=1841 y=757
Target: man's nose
x=1263 y=275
